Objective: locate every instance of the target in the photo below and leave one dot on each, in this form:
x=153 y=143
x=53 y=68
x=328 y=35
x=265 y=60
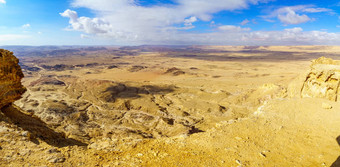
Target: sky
x=169 y=22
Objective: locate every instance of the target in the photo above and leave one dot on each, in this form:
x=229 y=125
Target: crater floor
x=190 y=106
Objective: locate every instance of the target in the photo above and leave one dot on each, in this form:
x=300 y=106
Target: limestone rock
x=323 y=79
x=11 y=88
x=326 y=106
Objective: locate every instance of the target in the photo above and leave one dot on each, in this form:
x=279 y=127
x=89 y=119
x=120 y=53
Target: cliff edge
x=11 y=88
x=323 y=79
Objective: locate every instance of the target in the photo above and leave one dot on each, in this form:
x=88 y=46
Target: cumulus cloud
x=126 y=21
x=232 y=28
x=293 y=36
x=202 y=9
x=85 y=24
x=70 y=14
x=25 y=26
x=295 y=14
x=294 y=30
x=3 y=1
x=290 y=17
x=189 y=21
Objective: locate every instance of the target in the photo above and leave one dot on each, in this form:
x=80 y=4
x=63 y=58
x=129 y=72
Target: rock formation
x=174 y=71
x=323 y=79
x=11 y=88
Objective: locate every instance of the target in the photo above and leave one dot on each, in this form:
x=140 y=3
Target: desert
x=169 y=83
x=174 y=106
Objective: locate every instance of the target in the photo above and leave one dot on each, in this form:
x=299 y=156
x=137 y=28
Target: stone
x=25 y=134
x=238 y=162
x=55 y=156
x=262 y=154
x=52 y=150
x=326 y=106
x=56 y=159
x=11 y=88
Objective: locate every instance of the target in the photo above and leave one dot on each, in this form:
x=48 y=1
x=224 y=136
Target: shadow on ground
x=38 y=128
x=130 y=92
x=337 y=161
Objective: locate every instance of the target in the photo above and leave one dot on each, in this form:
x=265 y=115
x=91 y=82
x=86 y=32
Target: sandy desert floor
x=202 y=106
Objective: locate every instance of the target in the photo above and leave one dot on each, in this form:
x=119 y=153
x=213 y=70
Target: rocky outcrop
x=48 y=81
x=323 y=79
x=174 y=71
x=11 y=88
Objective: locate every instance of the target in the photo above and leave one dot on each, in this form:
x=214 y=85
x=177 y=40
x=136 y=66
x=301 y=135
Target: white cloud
x=295 y=14
x=290 y=17
x=232 y=28
x=189 y=21
x=70 y=14
x=244 y=22
x=85 y=24
x=3 y=1
x=126 y=20
x=25 y=26
x=316 y=10
x=294 y=30
x=202 y=9
x=294 y=36
x=187 y=24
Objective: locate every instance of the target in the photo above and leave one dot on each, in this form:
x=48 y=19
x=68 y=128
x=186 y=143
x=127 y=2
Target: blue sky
x=173 y=22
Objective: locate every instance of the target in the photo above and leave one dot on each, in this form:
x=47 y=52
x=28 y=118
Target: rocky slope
x=11 y=88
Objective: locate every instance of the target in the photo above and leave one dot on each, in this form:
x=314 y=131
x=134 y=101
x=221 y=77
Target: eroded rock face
x=11 y=88
x=323 y=79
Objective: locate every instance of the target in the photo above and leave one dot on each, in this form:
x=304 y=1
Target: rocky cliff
x=323 y=79
x=11 y=88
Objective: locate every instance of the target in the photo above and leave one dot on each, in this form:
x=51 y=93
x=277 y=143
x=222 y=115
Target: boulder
x=11 y=88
